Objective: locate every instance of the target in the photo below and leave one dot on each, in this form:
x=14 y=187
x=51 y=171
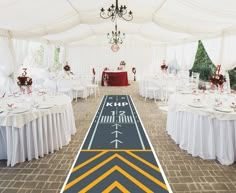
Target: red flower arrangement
x=218 y=79
x=164 y=67
x=24 y=81
x=67 y=68
x=134 y=72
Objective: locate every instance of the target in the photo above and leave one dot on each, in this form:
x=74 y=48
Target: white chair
x=152 y=89
x=50 y=85
x=65 y=86
x=79 y=91
x=170 y=88
x=38 y=83
x=92 y=88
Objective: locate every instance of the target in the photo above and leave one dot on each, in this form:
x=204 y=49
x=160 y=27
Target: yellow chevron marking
x=142 y=172
x=115 y=185
x=72 y=183
x=143 y=160
x=117 y=150
x=88 y=161
x=131 y=178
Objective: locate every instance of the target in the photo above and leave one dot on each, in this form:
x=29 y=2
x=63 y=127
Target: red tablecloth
x=116 y=78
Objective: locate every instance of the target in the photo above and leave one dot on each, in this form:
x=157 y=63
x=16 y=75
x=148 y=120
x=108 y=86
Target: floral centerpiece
x=24 y=82
x=164 y=66
x=218 y=79
x=94 y=73
x=134 y=72
x=67 y=69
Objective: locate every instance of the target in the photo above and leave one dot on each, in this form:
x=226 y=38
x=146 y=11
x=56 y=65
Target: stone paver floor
x=186 y=174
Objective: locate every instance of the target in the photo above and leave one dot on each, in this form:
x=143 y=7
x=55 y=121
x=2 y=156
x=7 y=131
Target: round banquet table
x=116 y=78
x=204 y=125
x=35 y=125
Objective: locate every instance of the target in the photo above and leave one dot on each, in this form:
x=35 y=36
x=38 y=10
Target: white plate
x=224 y=109
x=45 y=106
x=18 y=110
x=196 y=105
x=185 y=92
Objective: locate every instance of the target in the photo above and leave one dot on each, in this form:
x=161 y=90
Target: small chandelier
x=116 y=37
x=114 y=10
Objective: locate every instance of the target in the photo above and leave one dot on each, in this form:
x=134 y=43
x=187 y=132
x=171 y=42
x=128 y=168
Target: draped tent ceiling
x=155 y=21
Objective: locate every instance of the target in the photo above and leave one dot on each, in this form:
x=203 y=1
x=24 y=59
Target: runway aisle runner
x=116 y=155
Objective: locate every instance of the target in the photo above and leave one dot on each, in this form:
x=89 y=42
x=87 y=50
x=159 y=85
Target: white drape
x=62 y=55
x=222 y=51
x=49 y=55
x=6 y=64
x=20 y=52
x=183 y=54
x=213 y=49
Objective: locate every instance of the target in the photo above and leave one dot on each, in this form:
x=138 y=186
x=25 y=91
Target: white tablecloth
x=36 y=132
x=203 y=132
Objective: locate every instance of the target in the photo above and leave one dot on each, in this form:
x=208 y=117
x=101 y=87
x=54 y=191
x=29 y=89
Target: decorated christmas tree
x=203 y=63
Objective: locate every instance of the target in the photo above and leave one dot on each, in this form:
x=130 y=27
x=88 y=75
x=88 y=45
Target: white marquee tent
x=161 y=29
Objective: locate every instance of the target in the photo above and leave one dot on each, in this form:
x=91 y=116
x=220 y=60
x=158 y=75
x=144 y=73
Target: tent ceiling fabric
x=155 y=21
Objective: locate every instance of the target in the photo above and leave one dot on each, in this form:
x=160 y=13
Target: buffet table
x=34 y=126
x=204 y=125
x=116 y=78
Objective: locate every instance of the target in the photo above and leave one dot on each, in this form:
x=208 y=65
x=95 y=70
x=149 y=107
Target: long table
x=116 y=78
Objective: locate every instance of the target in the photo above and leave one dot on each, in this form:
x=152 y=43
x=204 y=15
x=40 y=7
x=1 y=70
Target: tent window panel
x=232 y=77
x=203 y=63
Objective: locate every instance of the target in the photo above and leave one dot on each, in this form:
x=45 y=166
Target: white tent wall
x=20 y=50
x=181 y=55
x=222 y=51
x=7 y=64
x=146 y=59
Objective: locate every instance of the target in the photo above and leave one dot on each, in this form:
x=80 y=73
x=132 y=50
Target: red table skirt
x=116 y=78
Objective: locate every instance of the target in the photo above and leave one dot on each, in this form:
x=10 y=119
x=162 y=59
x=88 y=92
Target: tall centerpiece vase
x=29 y=90
x=105 y=83
x=221 y=87
x=22 y=89
x=213 y=87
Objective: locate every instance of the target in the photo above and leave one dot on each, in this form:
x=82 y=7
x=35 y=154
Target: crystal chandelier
x=115 y=38
x=115 y=11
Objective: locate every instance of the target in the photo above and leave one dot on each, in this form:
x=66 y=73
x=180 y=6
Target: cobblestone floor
x=186 y=174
